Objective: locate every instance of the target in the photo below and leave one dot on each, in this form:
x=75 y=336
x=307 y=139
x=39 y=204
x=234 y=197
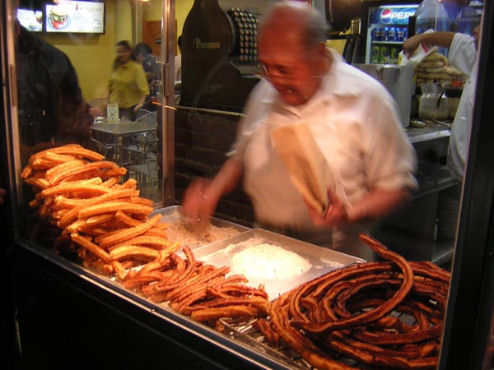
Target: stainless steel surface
x=399 y=82
x=173 y=213
x=322 y=260
x=125 y=127
x=244 y=332
x=203 y=332
x=417 y=135
x=213 y=111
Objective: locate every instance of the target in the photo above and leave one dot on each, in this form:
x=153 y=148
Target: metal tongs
x=438 y=103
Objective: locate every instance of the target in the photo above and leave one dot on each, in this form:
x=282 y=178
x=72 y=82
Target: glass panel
x=489 y=353
x=90 y=73
x=434 y=105
x=85 y=87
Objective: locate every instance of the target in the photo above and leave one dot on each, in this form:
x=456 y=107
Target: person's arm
x=388 y=163
x=442 y=39
x=140 y=103
x=202 y=196
x=376 y=204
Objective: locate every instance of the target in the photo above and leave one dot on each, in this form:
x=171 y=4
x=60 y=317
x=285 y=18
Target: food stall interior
x=103 y=267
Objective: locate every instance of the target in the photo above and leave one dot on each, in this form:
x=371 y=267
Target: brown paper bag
x=308 y=169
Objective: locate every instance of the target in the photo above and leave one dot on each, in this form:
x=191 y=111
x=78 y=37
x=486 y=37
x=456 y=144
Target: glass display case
x=68 y=308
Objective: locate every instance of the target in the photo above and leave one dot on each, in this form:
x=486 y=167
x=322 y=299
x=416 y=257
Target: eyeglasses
x=282 y=72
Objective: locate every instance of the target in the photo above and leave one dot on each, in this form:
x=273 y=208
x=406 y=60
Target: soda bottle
x=374 y=34
x=385 y=34
x=393 y=55
x=391 y=34
x=383 y=54
x=399 y=34
x=375 y=51
x=378 y=34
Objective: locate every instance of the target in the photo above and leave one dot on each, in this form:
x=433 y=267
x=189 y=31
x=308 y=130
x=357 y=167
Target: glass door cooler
x=385 y=26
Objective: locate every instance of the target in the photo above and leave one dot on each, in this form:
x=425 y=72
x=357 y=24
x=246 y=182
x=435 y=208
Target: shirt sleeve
x=254 y=112
x=141 y=81
x=462 y=53
x=390 y=159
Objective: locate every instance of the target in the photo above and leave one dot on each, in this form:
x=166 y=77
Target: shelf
x=388 y=42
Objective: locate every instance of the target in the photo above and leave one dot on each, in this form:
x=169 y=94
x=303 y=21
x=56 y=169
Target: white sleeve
x=462 y=53
x=254 y=111
x=390 y=159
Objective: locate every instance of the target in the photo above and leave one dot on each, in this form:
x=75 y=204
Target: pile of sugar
x=268 y=262
x=179 y=230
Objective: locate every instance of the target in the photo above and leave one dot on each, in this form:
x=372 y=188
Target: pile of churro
x=81 y=193
x=108 y=224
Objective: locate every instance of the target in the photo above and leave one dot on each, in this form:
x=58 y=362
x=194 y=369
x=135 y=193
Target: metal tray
x=323 y=260
x=173 y=213
x=244 y=332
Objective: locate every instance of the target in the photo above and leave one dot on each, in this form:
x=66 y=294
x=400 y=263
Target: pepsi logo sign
x=386 y=15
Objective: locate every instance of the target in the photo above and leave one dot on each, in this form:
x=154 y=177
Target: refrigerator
x=384 y=28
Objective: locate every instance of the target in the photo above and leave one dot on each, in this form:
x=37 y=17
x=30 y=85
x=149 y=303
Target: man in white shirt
x=352 y=119
x=463 y=55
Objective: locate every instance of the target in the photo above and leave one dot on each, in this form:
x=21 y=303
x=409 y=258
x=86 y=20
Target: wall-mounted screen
x=31 y=20
x=76 y=17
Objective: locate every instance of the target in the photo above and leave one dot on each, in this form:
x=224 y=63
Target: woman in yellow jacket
x=128 y=86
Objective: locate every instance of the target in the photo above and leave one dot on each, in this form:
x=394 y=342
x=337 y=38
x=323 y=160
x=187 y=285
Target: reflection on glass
x=68 y=84
x=489 y=353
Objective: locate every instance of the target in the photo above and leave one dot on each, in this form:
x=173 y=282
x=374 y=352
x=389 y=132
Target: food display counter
x=82 y=299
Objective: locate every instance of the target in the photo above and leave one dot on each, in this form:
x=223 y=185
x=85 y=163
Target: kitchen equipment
x=433 y=103
x=454 y=95
x=219 y=56
x=398 y=80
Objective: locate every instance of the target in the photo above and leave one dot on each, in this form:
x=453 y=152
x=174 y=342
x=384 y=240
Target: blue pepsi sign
x=396 y=15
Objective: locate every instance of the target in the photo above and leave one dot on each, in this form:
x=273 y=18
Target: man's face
x=289 y=66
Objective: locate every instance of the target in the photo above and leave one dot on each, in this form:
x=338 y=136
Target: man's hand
x=336 y=214
x=199 y=203
x=428 y=39
x=411 y=44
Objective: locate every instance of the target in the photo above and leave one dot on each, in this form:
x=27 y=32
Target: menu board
x=32 y=20
x=76 y=16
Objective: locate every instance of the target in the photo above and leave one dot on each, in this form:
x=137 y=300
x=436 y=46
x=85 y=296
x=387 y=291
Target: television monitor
x=75 y=17
x=30 y=19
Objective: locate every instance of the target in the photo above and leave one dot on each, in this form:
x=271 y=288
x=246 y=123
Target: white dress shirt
x=463 y=55
x=356 y=126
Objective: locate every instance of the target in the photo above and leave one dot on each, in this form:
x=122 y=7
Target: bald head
x=295 y=20
x=292 y=51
